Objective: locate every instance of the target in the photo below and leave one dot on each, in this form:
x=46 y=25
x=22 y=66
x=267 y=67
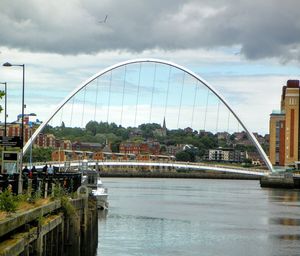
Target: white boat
x=92 y=180
x=101 y=195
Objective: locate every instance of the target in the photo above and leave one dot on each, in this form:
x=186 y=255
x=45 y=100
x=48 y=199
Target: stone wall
x=58 y=228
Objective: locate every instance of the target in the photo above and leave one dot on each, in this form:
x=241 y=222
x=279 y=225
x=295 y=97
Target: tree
x=183 y=156
x=39 y=155
x=1 y=95
x=115 y=146
x=247 y=162
x=232 y=137
x=193 y=152
x=92 y=127
x=148 y=129
x=163 y=149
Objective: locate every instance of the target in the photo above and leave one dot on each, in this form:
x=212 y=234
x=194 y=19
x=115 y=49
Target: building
x=284 y=127
x=173 y=150
x=188 y=130
x=223 y=135
x=226 y=155
x=86 y=146
x=129 y=148
x=151 y=147
x=162 y=132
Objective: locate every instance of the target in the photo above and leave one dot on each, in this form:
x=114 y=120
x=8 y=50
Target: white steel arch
x=158 y=61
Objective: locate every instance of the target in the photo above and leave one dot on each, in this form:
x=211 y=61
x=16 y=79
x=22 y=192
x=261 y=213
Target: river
x=169 y=217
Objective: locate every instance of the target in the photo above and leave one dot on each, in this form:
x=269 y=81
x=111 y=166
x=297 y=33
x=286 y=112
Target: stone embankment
x=60 y=227
x=176 y=174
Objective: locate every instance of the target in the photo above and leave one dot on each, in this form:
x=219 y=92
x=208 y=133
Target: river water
x=149 y=217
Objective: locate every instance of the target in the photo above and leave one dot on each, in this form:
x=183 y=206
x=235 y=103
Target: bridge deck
x=176 y=165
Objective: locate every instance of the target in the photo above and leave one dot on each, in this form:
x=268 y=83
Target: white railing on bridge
x=172 y=164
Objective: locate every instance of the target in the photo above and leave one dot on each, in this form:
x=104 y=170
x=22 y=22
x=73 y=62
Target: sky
x=246 y=49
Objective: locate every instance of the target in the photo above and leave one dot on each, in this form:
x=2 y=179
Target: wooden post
x=46 y=190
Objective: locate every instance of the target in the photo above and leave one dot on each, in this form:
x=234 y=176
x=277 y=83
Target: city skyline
x=237 y=65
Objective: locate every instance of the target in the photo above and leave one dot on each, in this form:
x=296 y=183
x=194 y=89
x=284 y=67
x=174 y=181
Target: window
x=292 y=101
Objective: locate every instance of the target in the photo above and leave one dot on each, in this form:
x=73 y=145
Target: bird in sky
x=103 y=21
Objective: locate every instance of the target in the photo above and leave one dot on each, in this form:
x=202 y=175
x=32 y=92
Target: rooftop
x=278 y=112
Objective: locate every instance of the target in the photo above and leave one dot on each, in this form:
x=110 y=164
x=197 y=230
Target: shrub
x=58 y=191
x=36 y=195
x=67 y=206
x=8 y=202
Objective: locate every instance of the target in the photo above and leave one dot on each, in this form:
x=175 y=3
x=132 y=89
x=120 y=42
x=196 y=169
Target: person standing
x=45 y=168
x=50 y=169
x=25 y=171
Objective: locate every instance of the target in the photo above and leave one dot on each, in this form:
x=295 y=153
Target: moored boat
x=91 y=179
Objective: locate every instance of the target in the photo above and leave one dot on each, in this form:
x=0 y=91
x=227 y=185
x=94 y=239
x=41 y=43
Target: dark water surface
x=198 y=217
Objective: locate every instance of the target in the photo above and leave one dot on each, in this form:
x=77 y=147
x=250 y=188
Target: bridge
x=151 y=94
x=159 y=165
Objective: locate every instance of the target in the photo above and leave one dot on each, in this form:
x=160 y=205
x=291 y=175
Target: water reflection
x=285 y=221
x=284 y=195
x=284 y=218
x=163 y=217
x=288 y=237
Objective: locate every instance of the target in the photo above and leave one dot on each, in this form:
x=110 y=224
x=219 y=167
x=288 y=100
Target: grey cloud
x=262 y=29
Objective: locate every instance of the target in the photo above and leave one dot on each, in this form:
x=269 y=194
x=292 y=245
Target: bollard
x=46 y=190
x=29 y=189
x=52 y=189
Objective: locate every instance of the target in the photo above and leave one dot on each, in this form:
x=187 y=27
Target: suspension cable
x=124 y=83
x=218 y=112
x=108 y=104
x=72 y=107
x=228 y=121
x=206 y=108
x=61 y=115
x=167 y=96
x=194 y=103
x=137 y=94
x=180 y=103
x=84 y=93
x=153 y=86
x=96 y=100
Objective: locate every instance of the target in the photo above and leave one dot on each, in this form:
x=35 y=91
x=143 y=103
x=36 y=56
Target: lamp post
x=7 y=64
x=5 y=107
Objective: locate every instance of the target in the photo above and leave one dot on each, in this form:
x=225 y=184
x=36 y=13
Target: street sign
x=10 y=162
x=10 y=156
x=11 y=141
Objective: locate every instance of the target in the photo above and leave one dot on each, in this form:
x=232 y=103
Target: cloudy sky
x=245 y=49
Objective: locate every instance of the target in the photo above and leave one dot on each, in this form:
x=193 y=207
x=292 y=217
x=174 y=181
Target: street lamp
x=5 y=107
x=7 y=64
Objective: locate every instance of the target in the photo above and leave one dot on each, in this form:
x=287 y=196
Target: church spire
x=164 y=124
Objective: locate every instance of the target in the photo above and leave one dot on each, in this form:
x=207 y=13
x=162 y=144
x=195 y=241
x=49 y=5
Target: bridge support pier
x=280 y=181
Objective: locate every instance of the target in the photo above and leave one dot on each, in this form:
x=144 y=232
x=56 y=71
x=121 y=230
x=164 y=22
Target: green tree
x=148 y=129
x=38 y=155
x=163 y=149
x=1 y=96
x=183 y=156
x=92 y=126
